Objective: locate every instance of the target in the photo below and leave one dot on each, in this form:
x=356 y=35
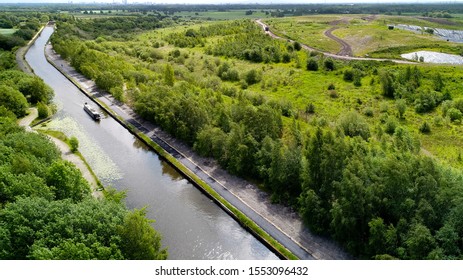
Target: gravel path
x=281 y=222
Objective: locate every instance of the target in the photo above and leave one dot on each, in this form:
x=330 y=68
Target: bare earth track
x=327 y=54
x=346 y=49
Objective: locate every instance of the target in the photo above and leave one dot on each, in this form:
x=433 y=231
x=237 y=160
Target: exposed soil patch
x=369 y=18
x=438 y=20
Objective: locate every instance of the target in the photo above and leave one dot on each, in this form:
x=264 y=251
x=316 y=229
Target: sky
x=231 y=1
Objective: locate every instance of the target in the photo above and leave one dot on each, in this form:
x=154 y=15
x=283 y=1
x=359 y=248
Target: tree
x=312 y=65
x=387 y=84
x=448 y=240
x=42 y=110
x=382 y=239
x=419 y=242
x=35 y=90
x=252 y=77
x=329 y=64
x=13 y=100
x=352 y=124
x=169 y=75
x=139 y=240
x=74 y=143
x=401 y=107
x=67 y=181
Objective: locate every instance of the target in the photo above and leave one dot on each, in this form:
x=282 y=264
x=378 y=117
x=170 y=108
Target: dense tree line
x=48 y=213
x=19 y=90
x=46 y=208
x=26 y=25
x=250 y=43
x=370 y=189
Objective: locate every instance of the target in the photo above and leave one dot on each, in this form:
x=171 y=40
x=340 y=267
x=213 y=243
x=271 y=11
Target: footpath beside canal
x=280 y=222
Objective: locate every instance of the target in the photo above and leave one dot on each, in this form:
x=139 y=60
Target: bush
x=312 y=65
x=310 y=109
x=352 y=124
x=368 y=112
x=425 y=102
x=333 y=94
x=425 y=127
x=454 y=114
x=331 y=86
x=401 y=106
x=391 y=125
x=252 y=77
x=74 y=143
x=42 y=110
x=286 y=58
x=348 y=75
x=357 y=81
x=329 y=64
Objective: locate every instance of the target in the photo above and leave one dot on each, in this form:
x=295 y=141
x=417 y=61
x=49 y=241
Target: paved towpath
x=280 y=222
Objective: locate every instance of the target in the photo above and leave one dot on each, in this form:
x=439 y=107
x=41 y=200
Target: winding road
x=344 y=54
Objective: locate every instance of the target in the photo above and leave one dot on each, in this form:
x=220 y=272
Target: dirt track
x=327 y=54
x=346 y=49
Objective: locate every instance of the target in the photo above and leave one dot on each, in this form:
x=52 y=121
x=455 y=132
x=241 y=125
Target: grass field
x=366 y=34
x=8 y=31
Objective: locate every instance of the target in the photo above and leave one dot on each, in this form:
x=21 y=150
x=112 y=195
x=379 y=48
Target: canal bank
x=283 y=224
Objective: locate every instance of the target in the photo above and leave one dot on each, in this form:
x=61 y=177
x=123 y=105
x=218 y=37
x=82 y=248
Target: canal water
x=192 y=226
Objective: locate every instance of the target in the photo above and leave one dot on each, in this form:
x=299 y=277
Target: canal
x=192 y=226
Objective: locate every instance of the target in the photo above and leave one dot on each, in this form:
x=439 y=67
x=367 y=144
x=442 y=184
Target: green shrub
x=368 y=112
x=391 y=125
x=252 y=77
x=425 y=127
x=329 y=64
x=42 y=110
x=454 y=114
x=353 y=124
x=310 y=109
x=74 y=143
x=312 y=65
x=348 y=75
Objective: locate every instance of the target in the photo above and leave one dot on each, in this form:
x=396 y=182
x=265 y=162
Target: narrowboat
x=92 y=112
